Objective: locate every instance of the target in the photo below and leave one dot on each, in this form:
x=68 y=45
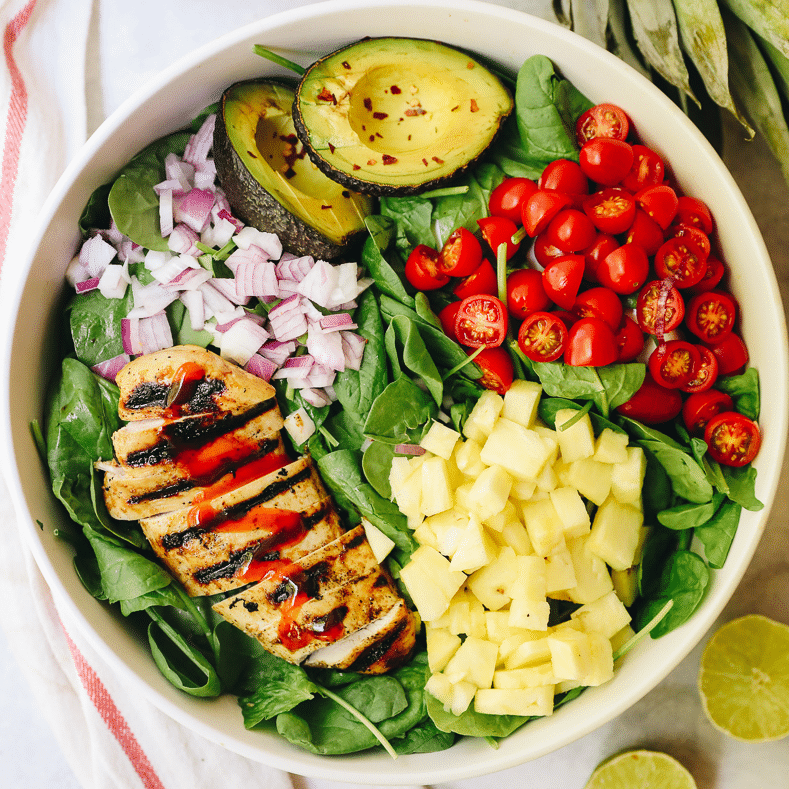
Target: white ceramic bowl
x=301 y=35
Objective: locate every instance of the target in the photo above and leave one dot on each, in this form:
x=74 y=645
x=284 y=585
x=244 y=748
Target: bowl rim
x=348 y=768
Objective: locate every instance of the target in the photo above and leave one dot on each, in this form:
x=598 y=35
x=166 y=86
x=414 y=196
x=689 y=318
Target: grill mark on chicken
x=378 y=650
x=167 y=491
x=154 y=395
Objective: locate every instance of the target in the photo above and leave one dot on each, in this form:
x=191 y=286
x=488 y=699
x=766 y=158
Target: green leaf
x=399 y=413
x=688 y=478
x=386 y=275
x=742 y=486
x=95 y=324
x=716 y=535
x=743 y=390
x=404 y=334
x=689 y=516
x=471 y=723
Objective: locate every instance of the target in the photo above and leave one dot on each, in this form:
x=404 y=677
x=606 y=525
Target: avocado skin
x=366 y=186
x=255 y=206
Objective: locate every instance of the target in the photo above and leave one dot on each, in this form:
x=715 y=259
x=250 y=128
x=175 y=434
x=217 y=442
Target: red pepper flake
x=252 y=154
x=409 y=138
x=371 y=162
x=331 y=148
x=357 y=167
x=387 y=159
x=379 y=116
x=470 y=65
x=437 y=160
x=455 y=108
x=327 y=95
x=345 y=192
x=425 y=162
x=368 y=104
x=474 y=106
x=379 y=135
x=395 y=90
x=346 y=64
x=413 y=111
x=372 y=138
x=325 y=207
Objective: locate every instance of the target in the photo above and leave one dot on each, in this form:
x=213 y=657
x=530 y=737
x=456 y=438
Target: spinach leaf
x=425 y=737
x=743 y=390
x=400 y=413
x=658 y=494
x=377 y=464
x=95 y=324
x=742 y=486
x=510 y=155
x=689 y=516
x=472 y=723
x=403 y=333
x=96 y=214
x=716 y=534
x=413 y=218
x=388 y=276
x=549 y=406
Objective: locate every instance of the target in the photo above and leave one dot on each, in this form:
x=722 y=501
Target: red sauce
x=183 y=385
x=205 y=460
x=259 y=467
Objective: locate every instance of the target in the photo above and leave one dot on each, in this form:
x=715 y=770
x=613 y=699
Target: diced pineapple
x=517 y=449
x=440 y=440
x=448 y=527
x=467 y=617
x=483 y=416
x=559 y=571
x=543 y=526
x=606 y=615
x=618 y=640
x=515 y=535
x=439 y=686
x=489 y=492
x=530 y=614
x=498 y=521
x=490 y=583
x=467 y=458
x=380 y=544
x=461 y=497
x=398 y=473
x=409 y=498
x=591 y=573
x=547 y=479
x=441 y=645
x=576 y=441
x=591 y=479
x=424 y=534
x=615 y=533
x=526 y=677
x=430 y=582
x=562 y=470
x=571 y=653
x=551 y=439
x=521 y=401
x=529 y=581
x=475 y=662
x=611 y=446
x=626 y=584
x=523 y=489
x=524 y=702
x=627 y=479
x=601 y=661
x=475 y=548
x=497 y=625
x=572 y=511
x=436 y=489
x=462 y=696
x=528 y=653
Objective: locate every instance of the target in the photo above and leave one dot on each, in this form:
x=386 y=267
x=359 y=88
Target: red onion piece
x=353 y=349
x=319 y=284
x=261 y=367
x=87 y=285
x=199 y=145
x=268 y=242
x=155 y=333
x=277 y=351
x=182 y=241
x=194 y=208
x=111 y=367
x=315 y=397
x=409 y=449
x=166 y=223
x=337 y=321
x=242 y=341
x=326 y=348
x=178 y=170
x=113 y=282
x=95 y=255
x=193 y=301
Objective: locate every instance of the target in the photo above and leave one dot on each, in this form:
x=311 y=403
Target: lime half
x=744 y=679
x=641 y=770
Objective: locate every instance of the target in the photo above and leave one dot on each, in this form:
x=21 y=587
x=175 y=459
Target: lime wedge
x=744 y=679
x=642 y=769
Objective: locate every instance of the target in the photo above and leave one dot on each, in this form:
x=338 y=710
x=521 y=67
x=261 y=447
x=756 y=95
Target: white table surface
x=118 y=62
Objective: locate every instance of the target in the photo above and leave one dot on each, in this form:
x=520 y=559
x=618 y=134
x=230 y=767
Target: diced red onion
x=278 y=352
x=289 y=326
x=182 y=240
x=252 y=254
x=268 y=242
x=215 y=301
x=315 y=397
x=130 y=336
x=176 y=169
x=319 y=284
x=218 y=234
x=166 y=222
x=326 y=348
x=409 y=449
x=242 y=341
x=75 y=272
x=96 y=255
x=193 y=208
x=113 y=282
x=110 y=368
x=319 y=377
x=170 y=185
x=257 y=279
x=87 y=285
x=353 y=349
x=129 y=252
x=288 y=287
x=189 y=279
x=195 y=306
x=113 y=235
x=337 y=321
x=155 y=258
x=346 y=285
x=295 y=367
x=155 y=333
x=200 y=142
x=261 y=367
x=205 y=175
x=149 y=299
x=174 y=268
x=227 y=287
x=295 y=268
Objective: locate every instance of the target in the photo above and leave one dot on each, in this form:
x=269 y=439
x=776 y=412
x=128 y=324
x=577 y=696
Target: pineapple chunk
x=615 y=533
x=430 y=582
x=626 y=584
x=489 y=492
x=611 y=446
x=467 y=458
x=525 y=702
x=607 y=615
x=572 y=511
x=523 y=489
x=591 y=479
x=529 y=614
x=526 y=677
x=514 y=534
x=425 y=535
x=462 y=696
x=398 y=473
x=521 y=401
x=483 y=416
x=441 y=645
x=440 y=688
x=380 y=544
x=601 y=662
x=448 y=527
x=474 y=662
x=559 y=571
x=591 y=573
x=627 y=479
x=467 y=617
x=440 y=440
x=529 y=580
x=498 y=521
x=461 y=497
x=577 y=441
x=408 y=496
x=571 y=653
x=436 y=489
x=490 y=583
x=543 y=525
x=528 y=653
x=475 y=548
x=547 y=480
x=517 y=449
x=622 y=637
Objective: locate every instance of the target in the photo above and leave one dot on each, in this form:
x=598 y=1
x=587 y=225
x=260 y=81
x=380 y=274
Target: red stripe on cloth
x=114 y=719
x=15 y=124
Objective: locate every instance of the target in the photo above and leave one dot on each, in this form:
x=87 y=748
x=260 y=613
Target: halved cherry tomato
x=596 y=252
x=561 y=279
x=540 y=208
x=711 y=315
x=680 y=262
x=713 y=274
x=731 y=353
x=660 y=202
x=601 y=303
x=543 y=337
x=497 y=369
x=645 y=232
x=590 y=343
x=483 y=280
x=564 y=175
x=570 y=230
x=695 y=212
x=481 y=320
x=508 y=197
x=696 y=239
x=700 y=407
x=647 y=169
x=630 y=340
x=498 y=230
x=612 y=210
x=605 y=160
x=704 y=374
x=448 y=316
x=526 y=293
x=602 y=120
x=660 y=307
x=544 y=252
x=461 y=254
x=421 y=269
x=671 y=363
x=733 y=439
x=624 y=270
x=652 y=404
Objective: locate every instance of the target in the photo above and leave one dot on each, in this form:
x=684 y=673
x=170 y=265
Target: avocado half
x=398 y=116
x=270 y=181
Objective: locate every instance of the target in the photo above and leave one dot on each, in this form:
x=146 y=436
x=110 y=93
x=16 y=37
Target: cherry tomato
x=544 y=251
x=660 y=202
x=448 y=316
x=713 y=274
x=542 y=337
x=564 y=175
x=481 y=320
x=652 y=404
x=421 y=269
x=645 y=232
x=710 y=316
x=660 y=307
x=526 y=293
x=680 y=262
x=696 y=239
x=630 y=340
x=590 y=343
x=561 y=279
x=602 y=120
x=570 y=230
x=483 y=280
x=611 y=210
x=733 y=439
x=497 y=369
x=601 y=303
x=508 y=197
x=730 y=352
x=695 y=212
x=647 y=169
x=671 y=363
x=624 y=270
x=704 y=374
x=596 y=252
x=498 y=230
x=461 y=254
x=700 y=407
x=605 y=160
x=540 y=208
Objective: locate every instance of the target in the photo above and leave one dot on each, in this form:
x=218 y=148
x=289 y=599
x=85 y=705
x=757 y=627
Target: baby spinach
x=690 y=516
x=386 y=274
x=472 y=723
x=717 y=534
x=743 y=390
x=406 y=348
x=95 y=324
x=399 y=413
